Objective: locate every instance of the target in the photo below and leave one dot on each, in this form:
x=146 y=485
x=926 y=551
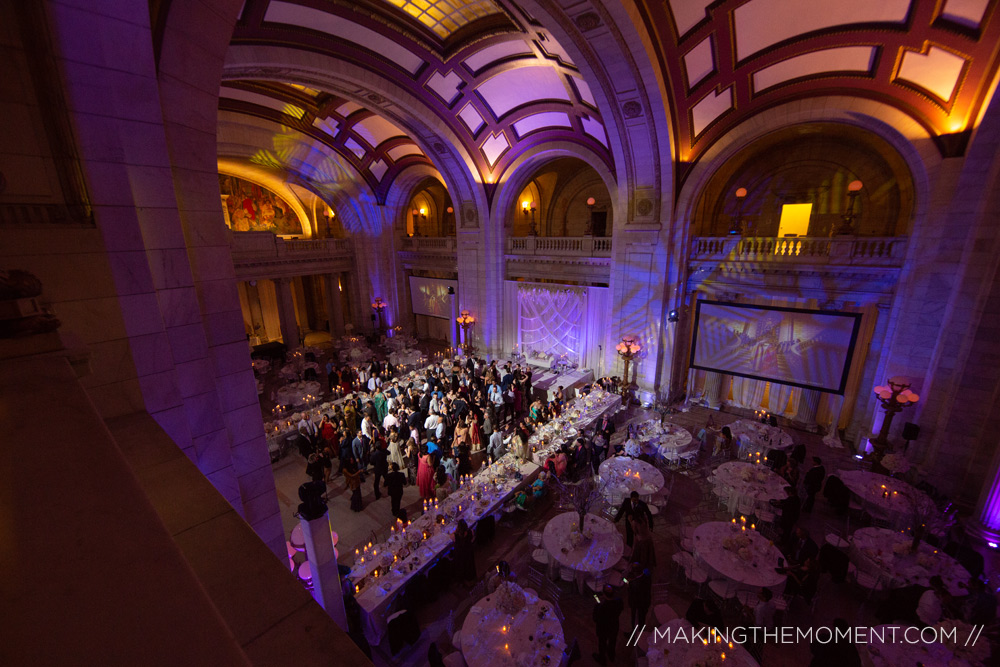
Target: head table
x=512 y=627
x=740 y=480
x=596 y=549
x=683 y=649
x=884 y=496
x=760 y=437
x=621 y=475
x=891 y=552
x=382 y=570
x=739 y=553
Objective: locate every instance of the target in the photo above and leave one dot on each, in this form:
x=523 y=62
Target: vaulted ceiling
x=725 y=61
x=498 y=86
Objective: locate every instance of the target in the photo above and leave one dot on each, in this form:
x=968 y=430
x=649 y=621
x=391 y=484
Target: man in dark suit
x=380 y=460
x=803 y=546
x=813 y=482
x=395 y=481
x=607 y=612
x=633 y=508
x=790 y=507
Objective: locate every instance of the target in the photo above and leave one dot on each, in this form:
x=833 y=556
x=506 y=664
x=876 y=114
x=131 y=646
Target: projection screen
x=430 y=296
x=811 y=349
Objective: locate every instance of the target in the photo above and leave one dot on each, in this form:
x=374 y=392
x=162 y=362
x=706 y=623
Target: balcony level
x=264 y=255
x=858 y=251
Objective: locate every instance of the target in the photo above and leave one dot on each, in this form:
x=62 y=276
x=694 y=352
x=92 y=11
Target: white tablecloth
x=897 y=507
x=294 y=369
x=760 y=437
x=896 y=652
x=623 y=475
x=531 y=637
x=261 y=365
x=742 y=480
x=683 y=649
x=656 y=439
x=598 y=549
x=405 y=357
x=753 y=568
x=583 y=413
x=495 y=485
x=889 y=550
x=544 y=384
x=297 y=393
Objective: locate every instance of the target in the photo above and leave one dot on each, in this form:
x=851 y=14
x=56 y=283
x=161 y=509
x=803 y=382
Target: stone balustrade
x=856 y=250
x=435 y=244
x=572 y=246
x=267 y=246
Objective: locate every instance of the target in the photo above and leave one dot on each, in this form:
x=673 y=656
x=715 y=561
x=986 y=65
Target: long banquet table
x=580 y=415
x=407 y=553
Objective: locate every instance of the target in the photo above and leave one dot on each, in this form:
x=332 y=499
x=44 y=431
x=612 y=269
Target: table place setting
x=892 y=552
x=762 y=437
x=738 y=552
x=740 y=479
x=512 y=627
x=582 y=413
x=593 y=548
x=622 y=475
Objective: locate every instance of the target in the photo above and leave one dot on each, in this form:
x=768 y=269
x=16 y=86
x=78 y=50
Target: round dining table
x=621 y=475
x=674 y=643
x=298 y=393
x=761 y=437
x=597 y=549
x=895 y=645
x=741 y=480
x=530 y=636
x=745 y=557
x=884 y=496
x=891 y=551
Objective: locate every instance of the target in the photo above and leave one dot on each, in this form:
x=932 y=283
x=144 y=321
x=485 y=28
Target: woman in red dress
x=425 y=474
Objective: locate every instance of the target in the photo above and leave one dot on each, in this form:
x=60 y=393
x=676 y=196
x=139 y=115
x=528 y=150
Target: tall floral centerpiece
x=580 y=497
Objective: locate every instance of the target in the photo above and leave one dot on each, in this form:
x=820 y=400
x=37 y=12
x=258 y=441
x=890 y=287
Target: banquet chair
x=660 y=592
x=834 y=536
x=746 y=506
x=535 y=538
x=723 y=593
x=454 y=660
x=567 y=575
x=596 y=583
x=305 y=574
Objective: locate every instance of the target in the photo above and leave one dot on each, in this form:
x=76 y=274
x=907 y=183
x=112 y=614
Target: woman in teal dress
x=381 y=407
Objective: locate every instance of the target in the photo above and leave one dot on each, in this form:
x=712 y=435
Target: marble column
x=713 y=389
x=327 y=589
x=985 y=522
x=286 y=313
x=808 y=404
x=334 y=304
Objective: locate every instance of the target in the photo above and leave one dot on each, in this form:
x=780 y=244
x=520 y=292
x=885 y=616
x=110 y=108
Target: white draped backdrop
x=555 y=319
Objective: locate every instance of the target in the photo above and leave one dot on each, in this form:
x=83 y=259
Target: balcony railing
x=439 y=244
x=265 y=245
x=867 y=250
x=572 y=246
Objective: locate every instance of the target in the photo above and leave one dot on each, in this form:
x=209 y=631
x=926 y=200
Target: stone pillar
x=327 y=588
x=985 y=522
x=808 y=404
x=286 y=313
x=334 y=304
x=696 y=385
x=713 y=389
x=453 y=325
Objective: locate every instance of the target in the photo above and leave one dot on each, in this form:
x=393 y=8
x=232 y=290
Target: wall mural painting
x=253 y=208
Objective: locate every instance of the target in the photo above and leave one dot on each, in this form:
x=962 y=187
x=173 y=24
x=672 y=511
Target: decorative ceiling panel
x=933 y=60
x=479 y=84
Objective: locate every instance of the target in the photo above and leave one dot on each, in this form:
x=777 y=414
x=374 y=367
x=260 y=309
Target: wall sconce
x=590 y=218
x=736 y=226
x=416 y=221
x=529 y=208
x=846 y=226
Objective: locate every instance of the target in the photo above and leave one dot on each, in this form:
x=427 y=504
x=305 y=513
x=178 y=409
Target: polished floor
x=691 y=504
